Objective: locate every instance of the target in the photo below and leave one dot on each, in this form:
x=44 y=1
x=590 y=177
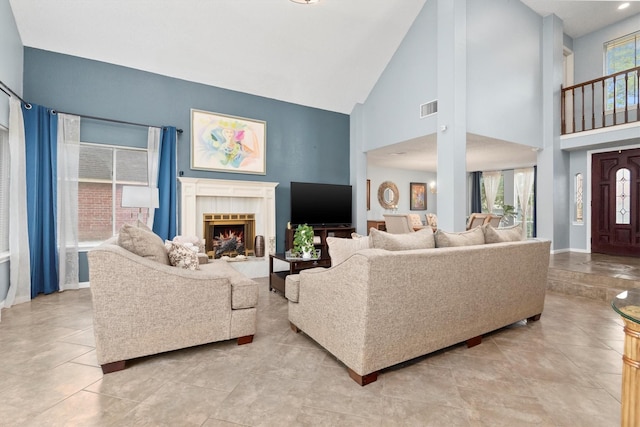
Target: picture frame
x=368 y=194
x=418 y=196
x=224 y=143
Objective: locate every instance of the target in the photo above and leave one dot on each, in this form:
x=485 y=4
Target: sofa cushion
x=340 y=249
x=498 y=235
x=182 y=256
x=292 y=287
x=143 y=243
x=422 y=239
x=244 y=291
x=445 y=239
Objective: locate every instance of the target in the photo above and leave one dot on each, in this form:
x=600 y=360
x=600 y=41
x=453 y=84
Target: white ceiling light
x=305 y=1
x=623 y=6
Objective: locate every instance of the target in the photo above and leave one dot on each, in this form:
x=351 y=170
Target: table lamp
x=140 y=197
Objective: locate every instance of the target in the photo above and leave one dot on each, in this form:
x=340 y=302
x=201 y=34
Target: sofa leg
x=107 y=368
x=534 y=318
x=363 y=379
x=472 y=342
x=294 y=328
x=245 y=340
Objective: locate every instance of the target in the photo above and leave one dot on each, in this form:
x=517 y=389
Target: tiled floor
x=564 y=370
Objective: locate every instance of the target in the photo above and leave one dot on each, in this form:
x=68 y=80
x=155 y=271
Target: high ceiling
x=328 y=55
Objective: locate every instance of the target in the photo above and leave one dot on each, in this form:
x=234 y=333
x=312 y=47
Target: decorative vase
x=306 y=255
x=258 y=246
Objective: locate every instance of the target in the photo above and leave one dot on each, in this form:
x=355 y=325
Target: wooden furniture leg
x=363 y=379
x=294 y=328
x=534 y=318
x=245 y=340
x=107 y=368
x=472 y=342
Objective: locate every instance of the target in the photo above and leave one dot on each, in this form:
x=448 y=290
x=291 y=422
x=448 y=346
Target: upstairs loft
x=608 y=101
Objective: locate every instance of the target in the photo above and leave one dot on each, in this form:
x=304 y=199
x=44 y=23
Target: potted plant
x=303 y=241
x=508 y=213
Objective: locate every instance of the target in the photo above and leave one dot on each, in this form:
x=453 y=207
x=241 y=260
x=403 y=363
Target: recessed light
x=623 y=6
x=305 y=1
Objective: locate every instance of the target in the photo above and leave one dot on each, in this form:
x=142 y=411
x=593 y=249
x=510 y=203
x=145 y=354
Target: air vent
x=429 y=108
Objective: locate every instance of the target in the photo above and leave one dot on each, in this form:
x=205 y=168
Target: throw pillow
x=182 y=256
x=143 y=243
x=507 y=234
x=341 y=249
x=445 y=239
x=422 y=239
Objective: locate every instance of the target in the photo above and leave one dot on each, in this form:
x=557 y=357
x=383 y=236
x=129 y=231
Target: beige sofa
x=143 y=307
x=378 y=308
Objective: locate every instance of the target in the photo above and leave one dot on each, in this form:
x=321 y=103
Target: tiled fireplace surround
x=199 y=196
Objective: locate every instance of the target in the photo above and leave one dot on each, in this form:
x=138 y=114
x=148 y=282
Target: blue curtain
x=41 y=130
x=165 y=220
x=476 y=192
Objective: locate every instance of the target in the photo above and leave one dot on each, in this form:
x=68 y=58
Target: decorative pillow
x=444 y=239
x=341 y=249
x=194 y=240
x=422 y=239
x=142 y=243
x=182 y=256
x=507 y=234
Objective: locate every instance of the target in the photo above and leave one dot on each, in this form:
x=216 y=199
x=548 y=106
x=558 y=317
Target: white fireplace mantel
x=260 y=194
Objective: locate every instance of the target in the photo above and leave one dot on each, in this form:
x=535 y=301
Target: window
x=4 y=190
x=103 y=171
x=619 y=55
x=498 y=204
x=578 y=198
x=623 y=178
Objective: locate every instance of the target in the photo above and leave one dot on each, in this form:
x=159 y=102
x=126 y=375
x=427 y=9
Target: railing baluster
x=593 y=108
x=604 y=105
x=563 y=126
x=573 y=110
x=582 y=108
x=626 y=101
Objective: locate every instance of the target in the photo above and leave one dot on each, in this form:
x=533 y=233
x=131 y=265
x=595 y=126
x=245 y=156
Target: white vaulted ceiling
x=328 y=55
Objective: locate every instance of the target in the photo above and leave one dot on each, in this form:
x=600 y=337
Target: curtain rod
x=12 y=93
x=84 y=116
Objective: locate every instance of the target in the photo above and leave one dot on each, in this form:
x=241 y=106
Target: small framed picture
x=418 y=193
x=227 y=143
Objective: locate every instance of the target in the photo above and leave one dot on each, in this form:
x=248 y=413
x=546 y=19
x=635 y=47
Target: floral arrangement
x=303 y=241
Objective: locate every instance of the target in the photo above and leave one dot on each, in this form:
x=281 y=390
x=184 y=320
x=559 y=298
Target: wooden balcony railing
x=607 y=101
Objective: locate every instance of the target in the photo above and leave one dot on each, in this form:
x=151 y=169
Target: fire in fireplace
x=229 y=234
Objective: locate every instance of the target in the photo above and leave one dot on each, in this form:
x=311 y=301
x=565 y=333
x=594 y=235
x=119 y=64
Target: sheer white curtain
x=523 y=179
x=491 y=184
x=20 y=274
x=153 y=161
x=67 y=212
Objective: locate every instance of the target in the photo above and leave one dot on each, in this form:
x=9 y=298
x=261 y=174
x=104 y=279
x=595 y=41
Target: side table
x=296 y=265
x=627 y=305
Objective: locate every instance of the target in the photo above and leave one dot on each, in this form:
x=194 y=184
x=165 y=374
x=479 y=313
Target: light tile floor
x=564 y=370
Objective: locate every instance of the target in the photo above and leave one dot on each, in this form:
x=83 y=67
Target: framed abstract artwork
x=418 y=194
x=225 y=143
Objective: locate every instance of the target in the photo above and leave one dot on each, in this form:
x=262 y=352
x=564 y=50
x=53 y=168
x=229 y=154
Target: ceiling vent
x=429 y=108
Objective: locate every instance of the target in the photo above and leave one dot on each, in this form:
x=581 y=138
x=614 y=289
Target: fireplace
x=229 y=234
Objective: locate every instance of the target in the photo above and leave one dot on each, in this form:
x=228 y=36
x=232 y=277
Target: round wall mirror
x=388 y=195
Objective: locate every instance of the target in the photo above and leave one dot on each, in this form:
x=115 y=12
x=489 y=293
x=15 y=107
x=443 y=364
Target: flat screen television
x=320 y=204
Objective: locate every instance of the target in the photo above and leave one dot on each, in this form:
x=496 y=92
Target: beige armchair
x=478 y=219
x=142 y=306
x=398 y=224
x=416 y=222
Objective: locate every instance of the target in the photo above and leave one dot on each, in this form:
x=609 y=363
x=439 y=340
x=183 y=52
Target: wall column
x=358 y=170
x=452 y=114
x=553 y=213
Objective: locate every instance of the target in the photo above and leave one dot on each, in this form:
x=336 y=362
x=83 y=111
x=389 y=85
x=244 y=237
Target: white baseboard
x=83 y=285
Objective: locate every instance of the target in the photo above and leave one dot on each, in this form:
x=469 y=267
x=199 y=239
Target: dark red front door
x=615 y=203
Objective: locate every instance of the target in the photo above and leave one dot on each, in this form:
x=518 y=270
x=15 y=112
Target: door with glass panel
x=615 y=207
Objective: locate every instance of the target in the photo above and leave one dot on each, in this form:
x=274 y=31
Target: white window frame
x=4 y=201
x=88 y=244
x=606 y=71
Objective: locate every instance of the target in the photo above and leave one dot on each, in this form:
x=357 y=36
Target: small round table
x=627 y=305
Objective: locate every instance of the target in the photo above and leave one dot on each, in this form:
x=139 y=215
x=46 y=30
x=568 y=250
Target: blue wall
x=303 y=144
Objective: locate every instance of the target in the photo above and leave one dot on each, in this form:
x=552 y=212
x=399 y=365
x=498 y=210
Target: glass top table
x=627 y=305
